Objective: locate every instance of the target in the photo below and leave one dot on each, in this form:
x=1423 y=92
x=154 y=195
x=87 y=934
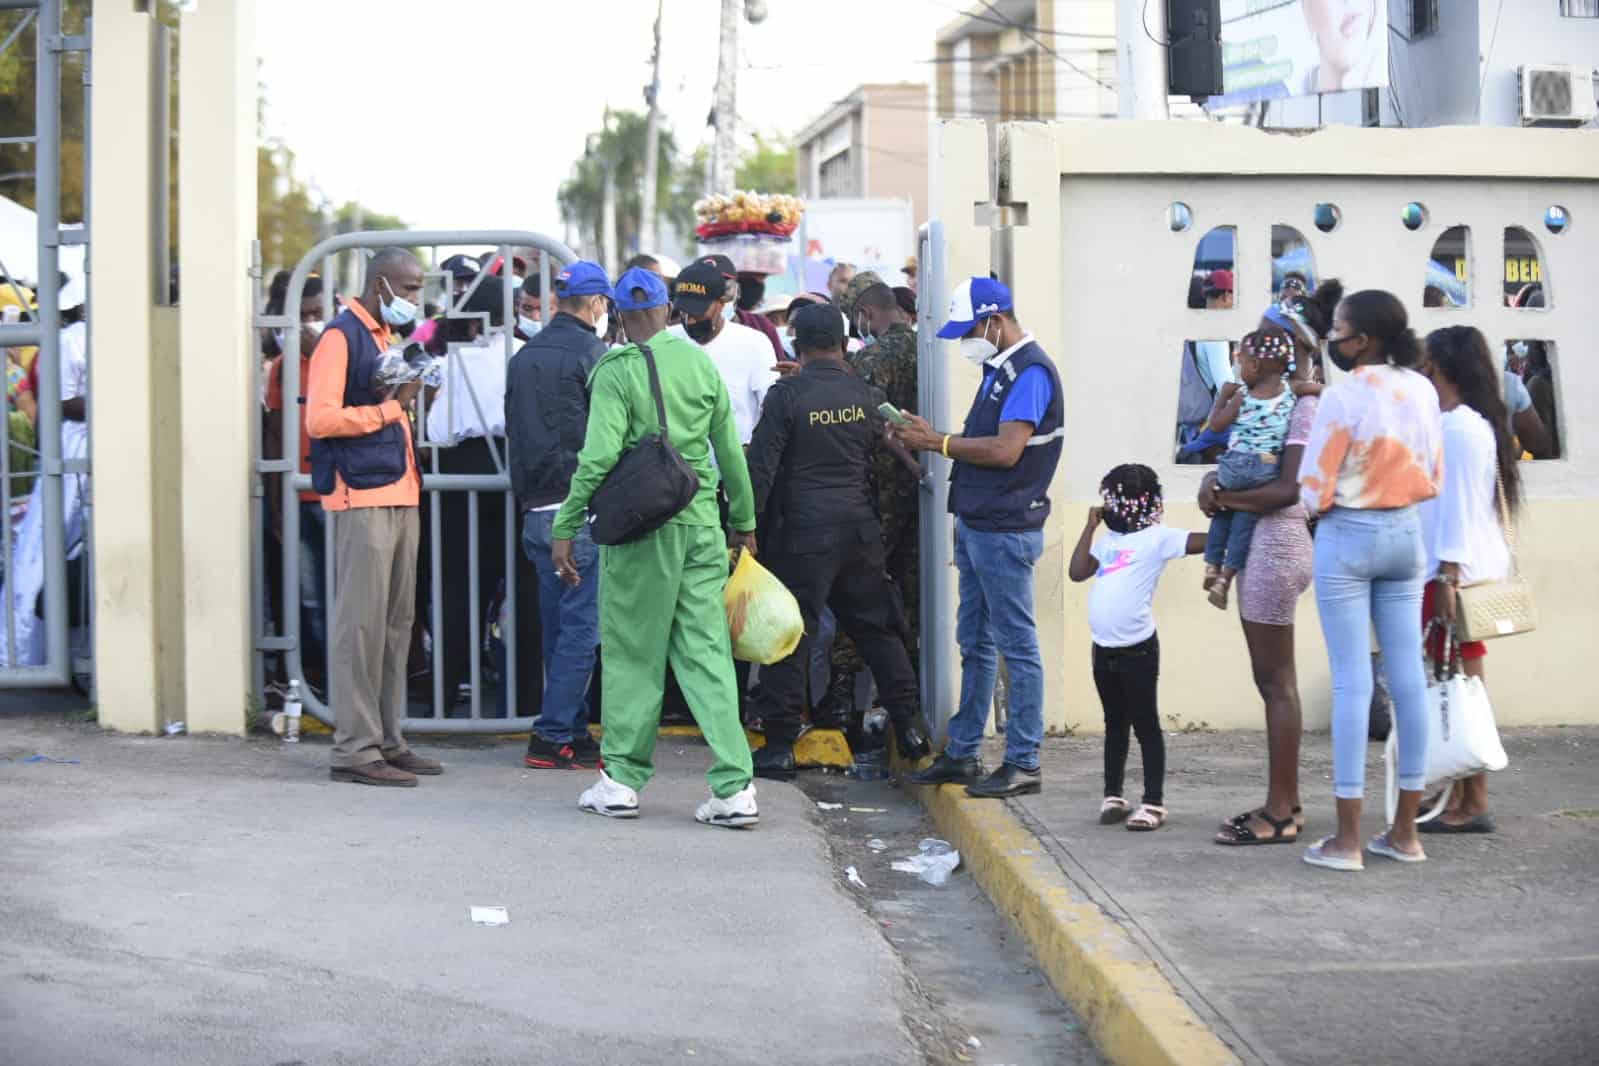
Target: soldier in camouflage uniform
x=889 y=363
x=852 y=292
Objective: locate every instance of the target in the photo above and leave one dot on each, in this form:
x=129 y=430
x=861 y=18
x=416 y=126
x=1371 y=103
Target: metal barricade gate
x=940 y=688
x=48 y=525
x=435 y=485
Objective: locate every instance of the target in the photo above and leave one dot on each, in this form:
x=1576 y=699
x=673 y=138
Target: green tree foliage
x=769 y=168
x=619 y=149
x=290 y=217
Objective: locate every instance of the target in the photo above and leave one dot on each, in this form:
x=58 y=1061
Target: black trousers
x=850 y=579
x=1126 y=679
x=471 y=456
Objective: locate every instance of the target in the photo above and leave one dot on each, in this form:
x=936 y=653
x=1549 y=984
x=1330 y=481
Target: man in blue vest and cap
x=1003 y=462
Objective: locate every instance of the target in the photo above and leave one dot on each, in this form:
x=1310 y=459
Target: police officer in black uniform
x=810 y=465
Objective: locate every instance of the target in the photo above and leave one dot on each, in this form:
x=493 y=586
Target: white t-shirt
x=1462 y=524
x=743 y=356
x=1130 y=565
x=73 y=355
x=453 y=416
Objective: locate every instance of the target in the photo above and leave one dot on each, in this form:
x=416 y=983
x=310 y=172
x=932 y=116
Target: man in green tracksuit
x=661 y=595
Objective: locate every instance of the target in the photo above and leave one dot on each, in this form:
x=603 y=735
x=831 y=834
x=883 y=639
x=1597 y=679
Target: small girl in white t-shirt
x=1127 y=562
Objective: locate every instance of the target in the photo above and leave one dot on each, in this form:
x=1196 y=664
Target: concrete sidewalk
x=202 y=901
x=1488 y=953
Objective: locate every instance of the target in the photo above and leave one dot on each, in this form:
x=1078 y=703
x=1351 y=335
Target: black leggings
x=1126 y=679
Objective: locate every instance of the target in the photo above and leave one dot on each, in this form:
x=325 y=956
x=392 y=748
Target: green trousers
x=661 y=600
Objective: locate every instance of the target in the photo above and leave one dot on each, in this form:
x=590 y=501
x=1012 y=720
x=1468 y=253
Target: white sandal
x=1148 y=819
x=1113 y=810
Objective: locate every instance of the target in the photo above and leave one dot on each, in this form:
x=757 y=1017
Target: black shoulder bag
x=649 y=485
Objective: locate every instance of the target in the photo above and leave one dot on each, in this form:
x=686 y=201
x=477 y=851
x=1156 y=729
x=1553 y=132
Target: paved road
x=197 y=901
x=1488 y=953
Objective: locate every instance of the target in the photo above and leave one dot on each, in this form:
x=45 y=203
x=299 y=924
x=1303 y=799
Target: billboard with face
x=1272 y=49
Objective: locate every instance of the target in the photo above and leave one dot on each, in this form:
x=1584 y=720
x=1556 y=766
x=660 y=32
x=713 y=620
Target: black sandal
x=1239 y=834
x=1260 y=812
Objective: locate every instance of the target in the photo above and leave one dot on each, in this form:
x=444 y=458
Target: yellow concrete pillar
x=958 y=180
x=121 y=302
x=216 y=218
x=1027 y=158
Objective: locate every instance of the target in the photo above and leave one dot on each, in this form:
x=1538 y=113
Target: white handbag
x=1462 y=740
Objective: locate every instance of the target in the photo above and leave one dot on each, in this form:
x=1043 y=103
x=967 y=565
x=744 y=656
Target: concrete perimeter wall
x=1101 y=280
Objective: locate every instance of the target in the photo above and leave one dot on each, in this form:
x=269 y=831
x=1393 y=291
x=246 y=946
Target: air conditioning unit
x=1556 y=95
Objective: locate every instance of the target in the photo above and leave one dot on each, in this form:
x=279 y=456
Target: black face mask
x=700 y=332
x=750 y=294
x=1335 y=352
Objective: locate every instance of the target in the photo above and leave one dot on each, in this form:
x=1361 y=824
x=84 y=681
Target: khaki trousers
x=374 y=573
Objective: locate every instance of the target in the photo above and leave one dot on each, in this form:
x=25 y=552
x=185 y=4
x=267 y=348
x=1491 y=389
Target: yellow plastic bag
x=762 y=615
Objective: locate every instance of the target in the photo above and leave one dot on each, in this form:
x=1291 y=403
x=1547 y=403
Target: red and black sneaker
x=544 y=755
x=586 y=752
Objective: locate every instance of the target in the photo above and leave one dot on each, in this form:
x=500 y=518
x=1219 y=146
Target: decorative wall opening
x=1526 y=287
x=1448 y=282
x=1215 y=261
x=1532 y=393
x=1293 y=264
x=1206 y=366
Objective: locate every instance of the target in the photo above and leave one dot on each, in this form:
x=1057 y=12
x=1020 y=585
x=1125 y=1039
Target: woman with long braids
x=1278 y=573
x=1375 y=452
x=1463 y=527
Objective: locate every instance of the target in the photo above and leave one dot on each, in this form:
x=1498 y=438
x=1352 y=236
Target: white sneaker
x=737 y=811
x=609 y=798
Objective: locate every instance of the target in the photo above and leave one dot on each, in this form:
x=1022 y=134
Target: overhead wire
x=1029 y=34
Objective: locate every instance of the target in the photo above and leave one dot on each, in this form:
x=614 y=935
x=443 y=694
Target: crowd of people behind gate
x=795 y=436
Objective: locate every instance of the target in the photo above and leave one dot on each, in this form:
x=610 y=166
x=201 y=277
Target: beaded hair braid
x=1132 y=498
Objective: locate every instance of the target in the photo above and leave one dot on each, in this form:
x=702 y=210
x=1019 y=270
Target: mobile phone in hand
x=893 y=414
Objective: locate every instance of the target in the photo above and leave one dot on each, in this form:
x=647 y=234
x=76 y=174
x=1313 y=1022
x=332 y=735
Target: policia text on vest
x=810 y=465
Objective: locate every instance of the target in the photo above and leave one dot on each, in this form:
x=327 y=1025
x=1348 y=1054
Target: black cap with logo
x=698 y=286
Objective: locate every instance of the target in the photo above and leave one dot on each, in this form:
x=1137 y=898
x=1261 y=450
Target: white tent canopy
x=19 y=245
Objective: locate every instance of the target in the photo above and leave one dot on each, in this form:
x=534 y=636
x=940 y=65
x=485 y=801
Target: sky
x=488 y=102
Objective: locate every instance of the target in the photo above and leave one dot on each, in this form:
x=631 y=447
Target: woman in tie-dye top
x=1375 y=451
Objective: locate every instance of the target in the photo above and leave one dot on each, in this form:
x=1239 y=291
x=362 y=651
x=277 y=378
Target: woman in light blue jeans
x=1375 y=452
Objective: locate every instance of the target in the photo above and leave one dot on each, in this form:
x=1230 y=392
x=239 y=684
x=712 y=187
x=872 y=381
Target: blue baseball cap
x=974 y=299
x=582 y=278
x=639 y=278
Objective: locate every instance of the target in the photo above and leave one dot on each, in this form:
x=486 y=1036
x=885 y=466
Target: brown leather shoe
x=374 y=773
x=414 y=763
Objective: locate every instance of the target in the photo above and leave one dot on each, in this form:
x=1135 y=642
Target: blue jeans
x=1227 y=543
x=996 y=618
x=1369 y=571
x=570 y=620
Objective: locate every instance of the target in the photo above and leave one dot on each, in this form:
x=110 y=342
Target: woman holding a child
x=1278 y=566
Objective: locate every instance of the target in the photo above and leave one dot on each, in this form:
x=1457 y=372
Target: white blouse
x=1462 y=523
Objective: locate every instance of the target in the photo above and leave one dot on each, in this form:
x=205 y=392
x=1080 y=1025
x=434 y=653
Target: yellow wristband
x=945 y=449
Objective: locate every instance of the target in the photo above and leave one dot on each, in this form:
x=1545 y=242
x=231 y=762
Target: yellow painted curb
x=1132 y=1011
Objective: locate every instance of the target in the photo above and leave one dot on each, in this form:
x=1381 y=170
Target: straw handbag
x=1489 y=609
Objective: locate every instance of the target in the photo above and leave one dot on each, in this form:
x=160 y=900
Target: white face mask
x=398 y=311
x=978 y=350
x=602 y=325
x=529 y=326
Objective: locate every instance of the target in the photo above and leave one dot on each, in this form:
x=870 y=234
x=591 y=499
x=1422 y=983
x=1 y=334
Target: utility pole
x=1141 y=81
x=724 y=163
x=652 y=144
x=607 y=203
